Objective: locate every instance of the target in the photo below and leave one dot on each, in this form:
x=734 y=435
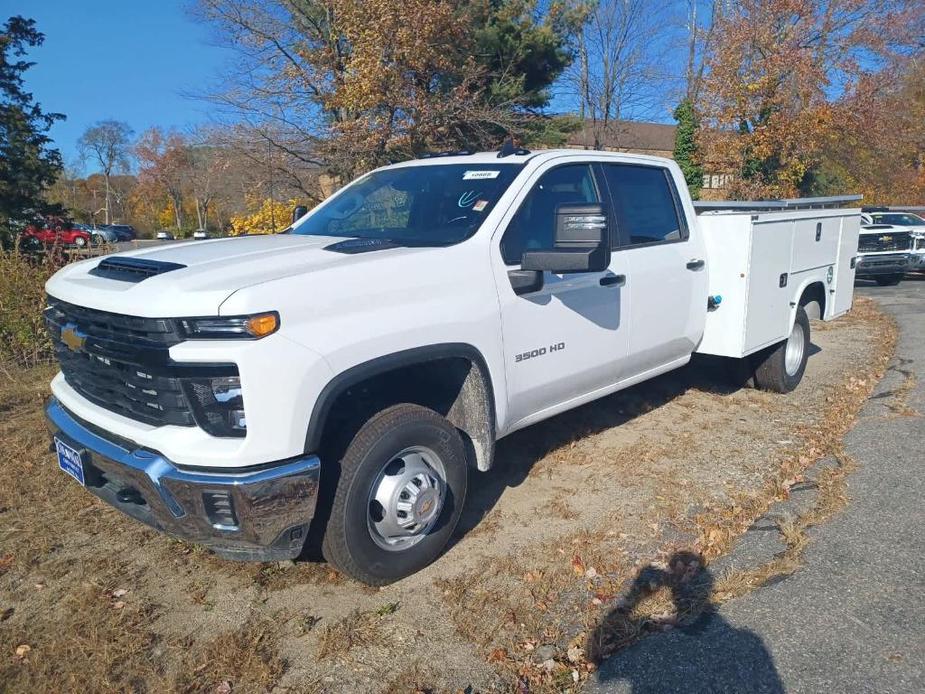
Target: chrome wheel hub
x=793 y=354
x=406 y=499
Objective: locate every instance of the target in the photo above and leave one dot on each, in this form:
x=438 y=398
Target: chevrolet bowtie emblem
x=72 y=338
x=886 y=239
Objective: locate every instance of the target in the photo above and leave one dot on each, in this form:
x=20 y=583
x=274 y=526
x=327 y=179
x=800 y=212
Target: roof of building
x=627 y=134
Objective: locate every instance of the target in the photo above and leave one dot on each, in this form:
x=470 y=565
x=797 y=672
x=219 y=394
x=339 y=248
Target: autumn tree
x=880 y=148
x=28 y=162
x=163 y=162
x=776 y=72
x=349 y=84
x=108 y=144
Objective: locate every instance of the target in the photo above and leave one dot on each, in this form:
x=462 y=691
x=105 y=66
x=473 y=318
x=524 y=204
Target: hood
x=881 y=229
x=194 y=278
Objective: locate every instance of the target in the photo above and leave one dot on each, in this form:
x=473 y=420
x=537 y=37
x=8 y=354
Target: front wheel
x=399 y=496
x=80 y=242
x=889 y=280
x=780 y=368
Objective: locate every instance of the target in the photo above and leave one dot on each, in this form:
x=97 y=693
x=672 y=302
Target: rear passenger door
x=667 y=282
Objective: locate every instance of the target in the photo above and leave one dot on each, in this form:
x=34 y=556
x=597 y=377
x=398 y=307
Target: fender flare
x=389 y=362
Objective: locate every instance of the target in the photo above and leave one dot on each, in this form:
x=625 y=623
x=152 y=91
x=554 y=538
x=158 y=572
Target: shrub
x=24 y=342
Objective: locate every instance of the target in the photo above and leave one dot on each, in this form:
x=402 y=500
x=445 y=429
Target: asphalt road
x=852 y=619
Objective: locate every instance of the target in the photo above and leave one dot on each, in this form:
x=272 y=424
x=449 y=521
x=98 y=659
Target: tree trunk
x=177 y=211
x=108 y=219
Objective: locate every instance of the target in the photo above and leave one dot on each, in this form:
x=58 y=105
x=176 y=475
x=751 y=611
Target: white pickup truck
x=346 y=376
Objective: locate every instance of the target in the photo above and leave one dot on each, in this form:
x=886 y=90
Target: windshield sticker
x=480 y=205
x=467 y=198
x=480 y=175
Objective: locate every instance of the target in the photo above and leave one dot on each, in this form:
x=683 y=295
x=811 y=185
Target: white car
x=164 y=235
x=361 y=364
x=913 y=223
x=200 y=234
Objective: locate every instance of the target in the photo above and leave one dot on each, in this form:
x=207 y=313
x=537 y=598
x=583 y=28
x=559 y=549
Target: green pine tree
x=28 y=165
x=523 y=54
x=686 y=152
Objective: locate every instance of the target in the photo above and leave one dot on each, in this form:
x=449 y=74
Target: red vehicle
x=58 y=234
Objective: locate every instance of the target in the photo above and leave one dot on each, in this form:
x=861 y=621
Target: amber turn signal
x=263 y=324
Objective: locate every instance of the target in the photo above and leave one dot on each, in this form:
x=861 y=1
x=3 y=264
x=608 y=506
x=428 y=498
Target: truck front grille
x=120 y=363
x=885 y=241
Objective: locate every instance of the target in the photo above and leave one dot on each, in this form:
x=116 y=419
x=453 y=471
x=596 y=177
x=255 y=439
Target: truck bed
x=760 y=263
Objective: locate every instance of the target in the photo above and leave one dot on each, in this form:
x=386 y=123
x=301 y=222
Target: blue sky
x=130 y=60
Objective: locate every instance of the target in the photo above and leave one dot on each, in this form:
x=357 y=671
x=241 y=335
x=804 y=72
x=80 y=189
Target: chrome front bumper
x=257 y=514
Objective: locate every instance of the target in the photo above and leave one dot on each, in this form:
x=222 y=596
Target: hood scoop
x=353 y=246
x=132 y=269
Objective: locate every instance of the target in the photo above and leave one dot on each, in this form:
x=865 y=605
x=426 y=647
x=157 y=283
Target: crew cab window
x=533 y=226
x=646 y=204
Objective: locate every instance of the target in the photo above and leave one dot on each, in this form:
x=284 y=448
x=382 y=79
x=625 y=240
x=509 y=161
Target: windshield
x=902 y=219
x=417 y=205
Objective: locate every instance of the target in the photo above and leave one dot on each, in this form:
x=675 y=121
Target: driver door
x=566 y=340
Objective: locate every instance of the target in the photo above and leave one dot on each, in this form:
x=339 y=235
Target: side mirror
x=581 y=244
x=298 y=212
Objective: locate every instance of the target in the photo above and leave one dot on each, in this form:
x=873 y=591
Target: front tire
x=780 y=368
x=889 y=280
x=399 y=496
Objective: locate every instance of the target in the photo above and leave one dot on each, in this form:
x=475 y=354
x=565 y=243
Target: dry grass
x=559 y=507
x=359 y=629
x=24 y=342
x=82 y=634
x=246 y=658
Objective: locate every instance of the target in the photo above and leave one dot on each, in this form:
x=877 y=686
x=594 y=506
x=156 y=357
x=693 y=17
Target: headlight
x=218 y=405
x=232 y=328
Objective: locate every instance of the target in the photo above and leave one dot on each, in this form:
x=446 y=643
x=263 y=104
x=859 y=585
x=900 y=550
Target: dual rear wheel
x=780 y=368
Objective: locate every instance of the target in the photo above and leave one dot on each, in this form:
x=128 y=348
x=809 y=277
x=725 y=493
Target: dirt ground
x=549 y=542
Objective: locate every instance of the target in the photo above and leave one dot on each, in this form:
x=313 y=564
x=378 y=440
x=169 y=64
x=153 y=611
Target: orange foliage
x=779 y=73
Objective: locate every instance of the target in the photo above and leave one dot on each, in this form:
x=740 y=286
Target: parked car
x=884 y=253
x=98 y=235
x=913 y=222
x=362 y=363
x=124 y=232
x=164 y=235
x=60 y=234
x=200 y=234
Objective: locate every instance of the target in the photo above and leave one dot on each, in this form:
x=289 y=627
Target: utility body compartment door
x=767 y=308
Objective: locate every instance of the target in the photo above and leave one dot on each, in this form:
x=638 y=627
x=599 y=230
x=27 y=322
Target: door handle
x=613 y=281
x=695 y=265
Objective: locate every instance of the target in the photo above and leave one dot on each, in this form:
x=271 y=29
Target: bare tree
x=700 y=20
x=618 y=64
x=108 y=144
